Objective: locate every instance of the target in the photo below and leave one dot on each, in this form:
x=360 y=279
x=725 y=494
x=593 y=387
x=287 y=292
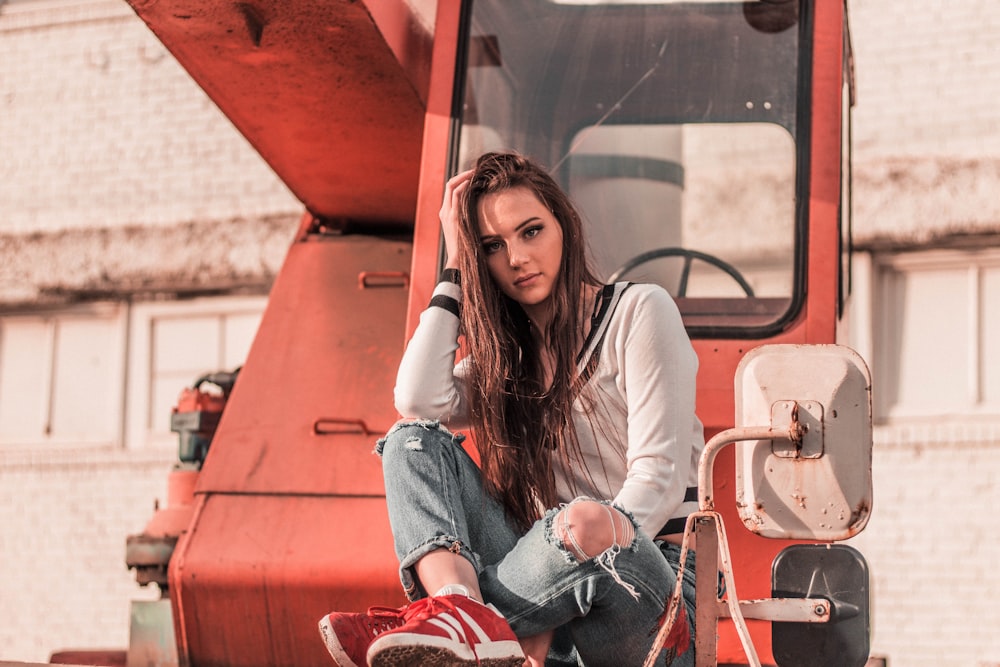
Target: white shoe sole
x=333 y=645
x=421 y=651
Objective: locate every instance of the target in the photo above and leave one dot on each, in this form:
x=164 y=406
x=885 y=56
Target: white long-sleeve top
x=639 y=436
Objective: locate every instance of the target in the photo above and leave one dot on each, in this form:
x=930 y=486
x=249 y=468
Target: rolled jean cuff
x=411 y=586
x=426 y=435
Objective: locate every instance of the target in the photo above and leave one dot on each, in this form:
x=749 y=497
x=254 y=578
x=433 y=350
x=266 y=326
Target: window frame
x=138 y=434
x=882 y=267
x=131 y=370
x=698 y=326
x=116 y=314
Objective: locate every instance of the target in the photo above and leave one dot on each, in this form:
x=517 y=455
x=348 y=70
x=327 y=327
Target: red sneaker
x=450 y=630
x=348 y=635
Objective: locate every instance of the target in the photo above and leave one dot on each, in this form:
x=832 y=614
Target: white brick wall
x=932 y=546
x=65 y=517
x=926 y=130
x=927 y=73
x=101 y=127
x=927 y=163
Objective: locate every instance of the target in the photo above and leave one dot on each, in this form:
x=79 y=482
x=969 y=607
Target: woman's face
x=522 y=242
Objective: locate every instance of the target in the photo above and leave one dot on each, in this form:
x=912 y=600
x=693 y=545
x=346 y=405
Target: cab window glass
x=673 y=126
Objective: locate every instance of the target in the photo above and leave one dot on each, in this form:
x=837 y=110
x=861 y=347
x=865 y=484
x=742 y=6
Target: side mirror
x=803 y=472
x=819 y=486
x=837 y=574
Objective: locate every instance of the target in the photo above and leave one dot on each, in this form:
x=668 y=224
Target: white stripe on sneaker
x=481 y=636
x=449 y=625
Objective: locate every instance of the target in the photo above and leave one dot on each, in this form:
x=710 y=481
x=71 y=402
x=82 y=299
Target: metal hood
x=331 y=93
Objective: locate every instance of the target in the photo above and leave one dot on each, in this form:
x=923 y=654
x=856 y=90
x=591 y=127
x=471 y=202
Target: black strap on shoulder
x=604 y=309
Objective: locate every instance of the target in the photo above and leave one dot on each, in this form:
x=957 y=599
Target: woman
x=563 y=545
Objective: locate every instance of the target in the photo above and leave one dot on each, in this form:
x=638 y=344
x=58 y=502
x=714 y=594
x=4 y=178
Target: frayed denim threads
x=605 y=559
x=415 y=442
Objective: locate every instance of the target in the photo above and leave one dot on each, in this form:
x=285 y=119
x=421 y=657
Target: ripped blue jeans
x=436 y=499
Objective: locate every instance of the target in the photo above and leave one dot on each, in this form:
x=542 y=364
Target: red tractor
x=708 y=146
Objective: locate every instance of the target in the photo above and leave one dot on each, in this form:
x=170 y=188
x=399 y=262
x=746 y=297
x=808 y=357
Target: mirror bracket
x=803 y=421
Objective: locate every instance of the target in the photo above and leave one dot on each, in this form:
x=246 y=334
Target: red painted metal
x=149 y=552
x=91 y=658
x=290 y=518
x=258 y=571
x=327 y=350
x=318 y=90
x=434 y=159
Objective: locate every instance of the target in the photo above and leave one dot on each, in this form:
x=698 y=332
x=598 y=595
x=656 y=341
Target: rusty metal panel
x=256 y=574
x=316 y=390
x=316 y=89
x=815 y=484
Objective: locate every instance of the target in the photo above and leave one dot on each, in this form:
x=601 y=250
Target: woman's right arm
x=428 y=385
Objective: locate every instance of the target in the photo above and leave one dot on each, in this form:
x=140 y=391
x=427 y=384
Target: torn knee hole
x=588 y=529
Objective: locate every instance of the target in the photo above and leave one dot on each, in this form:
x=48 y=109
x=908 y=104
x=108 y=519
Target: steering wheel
x=689 y=256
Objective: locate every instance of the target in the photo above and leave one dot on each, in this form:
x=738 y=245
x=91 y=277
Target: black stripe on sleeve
x=676 y=525
x=446 y=302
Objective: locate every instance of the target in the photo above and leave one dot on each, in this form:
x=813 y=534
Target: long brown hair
x=518 y=423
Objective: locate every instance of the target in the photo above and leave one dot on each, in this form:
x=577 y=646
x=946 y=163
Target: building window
x=60 y=376
x=175 y=343
x=108 y=374
x=936 y=321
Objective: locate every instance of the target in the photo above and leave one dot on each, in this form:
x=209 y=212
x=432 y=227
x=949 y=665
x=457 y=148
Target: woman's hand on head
x=451 y=209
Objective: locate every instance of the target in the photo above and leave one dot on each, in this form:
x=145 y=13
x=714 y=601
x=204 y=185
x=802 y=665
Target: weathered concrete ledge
x=904 y=202
x=197 y=257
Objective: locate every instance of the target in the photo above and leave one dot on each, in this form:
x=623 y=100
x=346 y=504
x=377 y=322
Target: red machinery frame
x=351 y=104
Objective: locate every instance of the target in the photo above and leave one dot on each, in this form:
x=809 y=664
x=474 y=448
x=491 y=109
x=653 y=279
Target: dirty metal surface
x=817 y=486
x=261 y=570
x=317 y=90
x=316 y=389
x=290 y=520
